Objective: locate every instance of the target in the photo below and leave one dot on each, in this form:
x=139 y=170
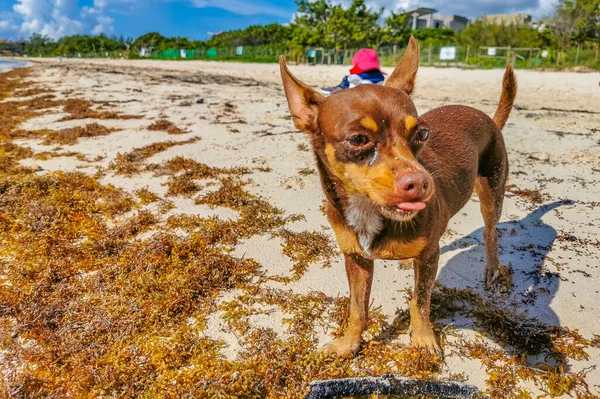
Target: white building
x=426 y=18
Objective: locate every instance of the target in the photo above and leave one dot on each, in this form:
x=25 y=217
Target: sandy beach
x=233 y=118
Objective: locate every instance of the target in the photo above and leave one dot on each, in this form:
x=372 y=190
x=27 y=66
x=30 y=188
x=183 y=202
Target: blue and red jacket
x=374 y=75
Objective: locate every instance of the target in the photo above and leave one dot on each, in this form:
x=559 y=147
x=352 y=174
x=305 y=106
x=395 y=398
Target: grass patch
x=305 y=248
x=306 y=171
x=76 y=108
x=92 y=305
x=183 y=174
x=46 y=155
x=146 y=196
x=81 y=109
x=35 y=91
x=165 y=125
x=533 y=196
x=10 y=155
x=130 y=163
x=68 y=136
x=303 y=147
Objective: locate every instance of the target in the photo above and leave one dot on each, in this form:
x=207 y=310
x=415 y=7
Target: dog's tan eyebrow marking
x=369 y=123
x=410 y=122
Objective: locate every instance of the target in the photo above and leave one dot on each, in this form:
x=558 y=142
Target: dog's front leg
x=360 y=277
x=425 y=272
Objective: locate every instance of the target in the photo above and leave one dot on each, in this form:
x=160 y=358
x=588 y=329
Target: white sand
x=555 y=151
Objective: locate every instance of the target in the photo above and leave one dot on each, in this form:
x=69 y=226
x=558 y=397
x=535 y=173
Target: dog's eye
x=422 y=134
x=358 y=140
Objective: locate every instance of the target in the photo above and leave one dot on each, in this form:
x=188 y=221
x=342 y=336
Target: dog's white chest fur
x=364 y=218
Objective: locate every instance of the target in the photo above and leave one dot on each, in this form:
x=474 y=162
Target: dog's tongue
x=411 y=206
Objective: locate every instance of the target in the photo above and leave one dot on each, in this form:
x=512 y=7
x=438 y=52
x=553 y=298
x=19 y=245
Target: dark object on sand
x=390 y=385
x=201 y=101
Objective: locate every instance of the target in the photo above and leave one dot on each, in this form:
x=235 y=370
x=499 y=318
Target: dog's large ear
x=404 y=76
x=303 y=101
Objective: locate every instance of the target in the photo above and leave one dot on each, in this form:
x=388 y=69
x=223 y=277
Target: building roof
x=421 y=11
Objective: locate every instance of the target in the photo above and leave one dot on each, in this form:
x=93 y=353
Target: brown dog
x=394 y=179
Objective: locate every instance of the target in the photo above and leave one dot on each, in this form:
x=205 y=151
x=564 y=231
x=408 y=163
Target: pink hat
x=366 y=59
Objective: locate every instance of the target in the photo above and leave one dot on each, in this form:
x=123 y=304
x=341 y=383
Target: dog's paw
x=344 y=347
x=499 y=278
x=491 y=276
x=425 y=338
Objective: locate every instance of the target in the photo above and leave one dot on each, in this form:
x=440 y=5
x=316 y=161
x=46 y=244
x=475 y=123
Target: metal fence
x=240 y=53
x=434 y=55
x=466 y=56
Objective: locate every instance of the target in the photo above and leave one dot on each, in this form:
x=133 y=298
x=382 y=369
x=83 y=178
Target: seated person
x=365 y=70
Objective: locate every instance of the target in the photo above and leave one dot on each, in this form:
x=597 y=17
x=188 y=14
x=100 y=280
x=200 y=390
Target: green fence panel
x=586 y=55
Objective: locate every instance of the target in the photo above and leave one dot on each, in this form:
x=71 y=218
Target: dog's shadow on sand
x=524 y=245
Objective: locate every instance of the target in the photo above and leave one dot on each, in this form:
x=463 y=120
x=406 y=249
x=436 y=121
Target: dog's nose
x=413 y=186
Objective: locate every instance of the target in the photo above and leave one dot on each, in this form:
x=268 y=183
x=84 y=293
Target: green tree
x=39 y=45
x=256 y=35
x=479 y=33
x=310 y=23
x=435 y=36
x=321 y=23
x=366 y=30
x=576 y=21
x=397 y=29
x=152 y=39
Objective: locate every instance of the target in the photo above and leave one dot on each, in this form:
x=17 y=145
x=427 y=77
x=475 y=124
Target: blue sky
x=198 y=18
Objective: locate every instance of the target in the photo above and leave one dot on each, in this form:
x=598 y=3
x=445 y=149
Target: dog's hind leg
x=490 y=187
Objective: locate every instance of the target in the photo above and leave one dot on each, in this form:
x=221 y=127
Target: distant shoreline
x=8 y=65
x=36 y=60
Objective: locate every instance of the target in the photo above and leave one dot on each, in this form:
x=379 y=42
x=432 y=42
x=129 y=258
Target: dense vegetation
x=323 y=24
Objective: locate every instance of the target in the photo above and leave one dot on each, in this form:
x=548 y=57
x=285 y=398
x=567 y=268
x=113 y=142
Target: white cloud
x=467 y=8
x=104 y=26
x=58 y=18
x=389 y=5
x=101 y=22
x=8 y=26
x=243 y=7
x=87 y=11
x=53 y=18
x=544 y=9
